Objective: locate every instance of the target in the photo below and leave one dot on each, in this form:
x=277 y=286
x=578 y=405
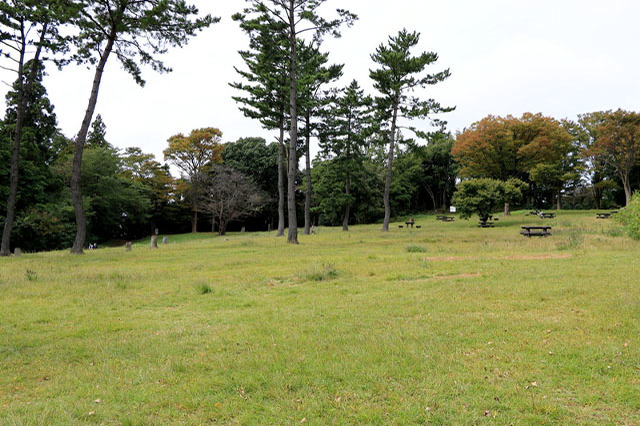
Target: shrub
x=416 y=249
x=629 y=217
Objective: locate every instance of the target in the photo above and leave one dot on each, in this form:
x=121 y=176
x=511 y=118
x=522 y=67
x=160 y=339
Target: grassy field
x=447 y=324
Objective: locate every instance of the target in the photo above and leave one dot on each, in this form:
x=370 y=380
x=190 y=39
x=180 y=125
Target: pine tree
x=399 y=75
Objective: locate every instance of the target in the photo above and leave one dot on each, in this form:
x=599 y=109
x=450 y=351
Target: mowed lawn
x=447 y=324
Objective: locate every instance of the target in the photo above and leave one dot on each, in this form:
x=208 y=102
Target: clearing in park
x=446 y=324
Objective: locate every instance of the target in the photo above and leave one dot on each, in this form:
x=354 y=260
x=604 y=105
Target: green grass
x=359 y=327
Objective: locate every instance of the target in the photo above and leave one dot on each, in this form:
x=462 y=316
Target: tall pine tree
x=399 y=75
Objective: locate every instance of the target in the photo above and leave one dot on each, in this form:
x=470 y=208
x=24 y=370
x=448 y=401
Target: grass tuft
x=324 y=272
x=203 y=288
x=416 y=249
x=31 y=275
x=574 y=241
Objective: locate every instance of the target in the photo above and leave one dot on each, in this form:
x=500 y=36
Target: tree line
x=60 y=192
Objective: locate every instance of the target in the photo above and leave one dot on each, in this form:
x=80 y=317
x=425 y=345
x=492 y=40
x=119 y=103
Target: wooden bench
x=535 y=231
x=603 y=215
x=486 y=224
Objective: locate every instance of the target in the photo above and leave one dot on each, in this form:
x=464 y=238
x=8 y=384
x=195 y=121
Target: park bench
x=536 y=231
x=603 y=215
x=445 y=218
x=487 y=224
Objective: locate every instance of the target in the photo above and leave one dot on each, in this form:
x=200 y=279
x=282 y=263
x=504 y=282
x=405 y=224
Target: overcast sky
x=558 y=57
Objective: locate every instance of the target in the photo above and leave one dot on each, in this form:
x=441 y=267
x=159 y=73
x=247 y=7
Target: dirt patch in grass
x=453 y=277
x=540 y=256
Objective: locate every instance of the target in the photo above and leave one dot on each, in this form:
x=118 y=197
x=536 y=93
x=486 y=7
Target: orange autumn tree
x=532 y=148
x=194 y=155
x=618 y=145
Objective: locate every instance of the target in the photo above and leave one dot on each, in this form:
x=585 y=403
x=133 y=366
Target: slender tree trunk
x=387 y=182
x=507 y=209
x=626 y=182
x=194 y=221
x=347 y=208
x=281 y=196
x=23 y=90
x=292 y=237
x=433 y=198
x=76 y=171
x=559 y=201
x=307 y=195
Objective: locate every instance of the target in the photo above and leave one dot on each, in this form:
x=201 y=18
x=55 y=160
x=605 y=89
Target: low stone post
x=127 y=246
x=17 y=252
x=165 y=240
x=154 y=241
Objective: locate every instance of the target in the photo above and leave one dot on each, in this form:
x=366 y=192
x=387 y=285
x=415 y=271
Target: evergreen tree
x=343 y=137
x=135 y=31
x=298 y=16
x=399 y=75
x=26 y=28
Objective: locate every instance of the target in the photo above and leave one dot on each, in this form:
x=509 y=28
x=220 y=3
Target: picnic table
x=486 y=224
x=603 y=215
x=536 y=231
x=409 y=224
x=445 y=218
x=547 y=215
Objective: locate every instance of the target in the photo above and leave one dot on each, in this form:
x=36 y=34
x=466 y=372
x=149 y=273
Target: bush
x=629 y=217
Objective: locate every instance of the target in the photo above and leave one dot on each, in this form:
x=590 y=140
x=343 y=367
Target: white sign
x=452 y=209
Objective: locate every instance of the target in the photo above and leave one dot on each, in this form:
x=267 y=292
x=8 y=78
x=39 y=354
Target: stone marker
x=127 y=247
x=165 y=240
x=17 y=251
x=154 y=241
x=242 y=229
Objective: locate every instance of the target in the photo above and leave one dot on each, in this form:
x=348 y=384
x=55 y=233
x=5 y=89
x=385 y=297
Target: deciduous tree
x=618 y=145
x=194 y=155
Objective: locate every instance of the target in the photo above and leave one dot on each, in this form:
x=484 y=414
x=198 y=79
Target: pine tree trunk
x=347 y=208
x=76 y=171
x=292 y=237
x=281 y=191
x=307 y=195
x=507 y=209
x=559 y=201
x=23 y=90
x=387 y=181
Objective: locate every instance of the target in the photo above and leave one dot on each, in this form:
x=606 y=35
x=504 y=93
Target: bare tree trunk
x=307 y=195
x=626 y=182
x=281 y=156
x=347 y=208
x=433 y=198
x=76 y=171
x=387 y=182
x=23 y=90
x=559 y=201
x=507 y=209
x=194 y=221
x=292 y=237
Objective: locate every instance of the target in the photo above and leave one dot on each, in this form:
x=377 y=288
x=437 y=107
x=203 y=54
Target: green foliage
x=139 y=31
x=629 y=217
x=98 y=134
x=484 y=196
x=416 y=249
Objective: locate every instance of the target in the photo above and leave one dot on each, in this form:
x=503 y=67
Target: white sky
x=558 y=57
